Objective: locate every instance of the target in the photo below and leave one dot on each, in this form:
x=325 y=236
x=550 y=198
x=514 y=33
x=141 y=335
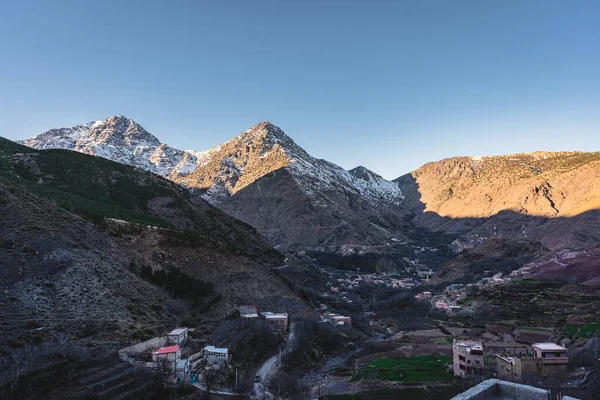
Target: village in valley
x=180 y=358
x=501 y=354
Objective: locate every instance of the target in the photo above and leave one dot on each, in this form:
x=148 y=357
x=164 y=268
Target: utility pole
x=236 y=374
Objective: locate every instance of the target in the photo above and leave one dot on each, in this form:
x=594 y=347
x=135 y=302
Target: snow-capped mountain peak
x=261 y=176
x=120 y=139
x=61 y=138
x=222 y=170
x=119 y=130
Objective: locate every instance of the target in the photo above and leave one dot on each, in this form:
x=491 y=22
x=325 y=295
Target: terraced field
x=540 y=304
x=425 y=368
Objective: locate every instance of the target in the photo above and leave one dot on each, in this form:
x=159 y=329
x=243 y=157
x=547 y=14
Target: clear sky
x=385 y=84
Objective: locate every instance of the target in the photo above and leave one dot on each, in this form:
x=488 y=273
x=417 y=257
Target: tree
x=212 y=376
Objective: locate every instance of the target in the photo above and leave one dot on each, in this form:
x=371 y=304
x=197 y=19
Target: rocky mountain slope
x=261 y=177
x=70 y=275
x=492 y=256
x=265 y=179
x=550 y=197
x=118 y=139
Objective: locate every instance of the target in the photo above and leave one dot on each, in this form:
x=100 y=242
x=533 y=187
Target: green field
x=442 y=341
x=427 y=368
x=536 y=329
x=581 y=330
x=441 y=393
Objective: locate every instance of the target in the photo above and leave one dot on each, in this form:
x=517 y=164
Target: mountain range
x=110 y=236
x=301 y=203
x=261 y=177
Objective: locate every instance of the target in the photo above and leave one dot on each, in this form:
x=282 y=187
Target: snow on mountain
x=375 y=186
x=62 y=138
x=265 y=148
x=118 y=139
x=220 y=171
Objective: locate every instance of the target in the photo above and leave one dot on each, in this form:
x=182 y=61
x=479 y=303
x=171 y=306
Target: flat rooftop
x=177 y=331
x=495 y=389
x=470 y=344
x=216 y=349
x=549 y=347
x=276 y=316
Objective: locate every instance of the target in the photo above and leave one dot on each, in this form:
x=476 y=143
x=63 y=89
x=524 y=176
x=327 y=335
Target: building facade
x=177 y=336
x=342 y=320
x=467 y=358
x=549 y=363
x=216 y=355
x=248 y=310
x=278 y=321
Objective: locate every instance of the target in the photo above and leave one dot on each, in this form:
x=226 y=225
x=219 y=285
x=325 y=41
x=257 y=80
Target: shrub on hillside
x=248 y=340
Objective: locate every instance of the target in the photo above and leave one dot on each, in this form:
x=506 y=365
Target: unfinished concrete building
x=467 y=358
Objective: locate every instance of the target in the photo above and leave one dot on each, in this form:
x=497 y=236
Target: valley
x=314 y=281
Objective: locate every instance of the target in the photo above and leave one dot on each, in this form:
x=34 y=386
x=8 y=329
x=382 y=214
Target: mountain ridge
x=221 y=173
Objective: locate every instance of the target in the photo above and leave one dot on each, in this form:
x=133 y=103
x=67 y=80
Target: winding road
x=269 y=366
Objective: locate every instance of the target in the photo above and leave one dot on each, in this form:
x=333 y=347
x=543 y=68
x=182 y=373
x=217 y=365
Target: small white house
x=177 y=336
x=216 y=355
x=341 y=320
x=248 y=312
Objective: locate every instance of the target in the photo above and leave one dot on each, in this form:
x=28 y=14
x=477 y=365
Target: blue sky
x=385 y=84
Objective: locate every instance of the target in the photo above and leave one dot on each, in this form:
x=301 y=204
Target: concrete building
x=467 y=358
x=549 y=363
x=278 y=321
x=551 y=360
x=341 y=320
x=168 y=353
x=177 y=336
x=248 y=311
x=216 y=355
x=500 y=390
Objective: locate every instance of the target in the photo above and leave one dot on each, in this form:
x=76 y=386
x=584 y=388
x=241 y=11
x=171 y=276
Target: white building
x=248 y=311
x=279 y=321
x=216 y=355
x=341 y=320
x=177 y=336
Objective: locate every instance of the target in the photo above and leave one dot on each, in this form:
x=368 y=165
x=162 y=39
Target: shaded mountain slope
x=493 y=256
x=97 y=188
x=79 y=281
x=550 y=197
x=573 y=267
x=326 y=220
x=60 y=269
